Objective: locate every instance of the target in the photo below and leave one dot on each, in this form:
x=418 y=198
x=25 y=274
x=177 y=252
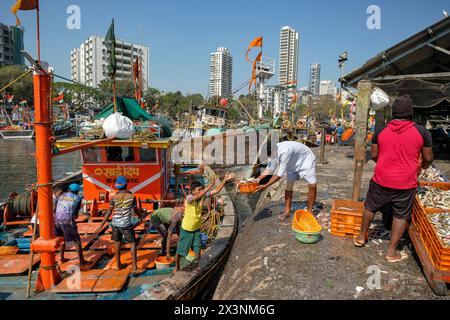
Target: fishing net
x=424 y=94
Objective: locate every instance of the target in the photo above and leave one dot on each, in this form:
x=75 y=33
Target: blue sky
x=182 y=34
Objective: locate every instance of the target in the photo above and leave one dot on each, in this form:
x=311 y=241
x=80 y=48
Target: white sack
x=379 y=99
x=119 y=126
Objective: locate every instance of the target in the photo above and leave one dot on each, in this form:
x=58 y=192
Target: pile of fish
x=431 y=175
x=441 y=222
x=434 y=198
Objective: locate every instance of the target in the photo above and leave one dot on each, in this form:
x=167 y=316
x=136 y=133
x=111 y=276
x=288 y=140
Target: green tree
x=22 y=89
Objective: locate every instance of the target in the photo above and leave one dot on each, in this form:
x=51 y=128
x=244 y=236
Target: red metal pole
x=47 y=244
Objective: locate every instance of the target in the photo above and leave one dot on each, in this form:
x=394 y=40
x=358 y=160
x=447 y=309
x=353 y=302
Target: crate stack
x=346 y=218
x=438 y=253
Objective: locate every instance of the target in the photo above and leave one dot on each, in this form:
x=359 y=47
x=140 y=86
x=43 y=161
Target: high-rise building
x=11 y=45
x=327 y=88
x=289 y=52
x=221 y=76
x=314 y=79
x=89 y=62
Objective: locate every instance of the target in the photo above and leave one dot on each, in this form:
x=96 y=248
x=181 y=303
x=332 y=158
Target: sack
x=379 y=99
x=119 y=126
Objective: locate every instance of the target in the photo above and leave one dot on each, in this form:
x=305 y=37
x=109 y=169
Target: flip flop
x=403 y=255
x=283 y=217
x=357 y=244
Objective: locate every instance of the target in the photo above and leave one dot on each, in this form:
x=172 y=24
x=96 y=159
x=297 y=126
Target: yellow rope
x=18 y=79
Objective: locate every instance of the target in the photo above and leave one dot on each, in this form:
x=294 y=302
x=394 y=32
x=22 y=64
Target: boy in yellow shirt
x=190 y=235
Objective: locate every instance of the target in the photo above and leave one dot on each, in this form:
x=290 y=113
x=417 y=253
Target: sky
x=181 y=34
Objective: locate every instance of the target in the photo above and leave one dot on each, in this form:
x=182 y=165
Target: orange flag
x=24 y=5
x=253 y=81
x=256 y=43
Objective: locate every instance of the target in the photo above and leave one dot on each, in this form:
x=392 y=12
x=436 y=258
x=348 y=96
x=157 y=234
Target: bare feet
x=118 y=268
x=283 y=217
x=137 y=272
x=64 y=260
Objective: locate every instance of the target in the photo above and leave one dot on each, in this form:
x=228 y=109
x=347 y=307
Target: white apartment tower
x=289 y=52
x=89 y=62
x=221 y=77
x=327 y=88
x=314 y=79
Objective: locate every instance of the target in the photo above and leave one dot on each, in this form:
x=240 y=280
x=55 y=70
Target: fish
x=441 y=223
x=434 y=198
x=431 y=175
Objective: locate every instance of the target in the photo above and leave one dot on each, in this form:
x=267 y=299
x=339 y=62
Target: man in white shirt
x=297 y=161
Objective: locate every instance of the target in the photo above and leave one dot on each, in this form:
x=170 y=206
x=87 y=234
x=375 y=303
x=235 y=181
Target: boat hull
x=17 y=134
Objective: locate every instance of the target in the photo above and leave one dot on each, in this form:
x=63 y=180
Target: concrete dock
x=267 y=262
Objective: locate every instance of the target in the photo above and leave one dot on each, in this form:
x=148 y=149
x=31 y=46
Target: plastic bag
x=379 y=99
x=119 y=126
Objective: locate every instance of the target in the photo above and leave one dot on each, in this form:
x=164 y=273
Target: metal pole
x=47 y=244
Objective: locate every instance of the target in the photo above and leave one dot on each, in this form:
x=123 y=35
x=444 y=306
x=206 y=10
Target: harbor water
x=18 y=166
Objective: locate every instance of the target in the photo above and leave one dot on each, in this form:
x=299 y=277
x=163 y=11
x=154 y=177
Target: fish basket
x=346 y=218
x=438 y=253
x=163 y=263
x=247 y=186
x=307 y=237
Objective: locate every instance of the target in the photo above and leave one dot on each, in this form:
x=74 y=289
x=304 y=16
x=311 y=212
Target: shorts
x=189 y=240
x=69 y=231
x=119 y=234
x=308 y=175
x=401 y=201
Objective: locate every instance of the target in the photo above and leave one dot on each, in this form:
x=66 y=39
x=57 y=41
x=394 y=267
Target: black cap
x=403 y=107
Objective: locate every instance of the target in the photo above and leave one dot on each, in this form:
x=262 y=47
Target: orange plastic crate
x=346 y=218
x=439 y=254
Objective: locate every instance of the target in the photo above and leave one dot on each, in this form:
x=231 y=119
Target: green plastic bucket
x=307 y=237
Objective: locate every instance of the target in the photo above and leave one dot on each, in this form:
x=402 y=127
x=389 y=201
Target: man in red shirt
x=396 y=149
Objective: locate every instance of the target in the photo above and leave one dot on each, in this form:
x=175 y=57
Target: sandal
x=358 y=244
x=283 y=217
x=403 y=256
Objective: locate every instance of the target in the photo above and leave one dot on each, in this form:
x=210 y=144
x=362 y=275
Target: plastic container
x=305 y=222
x=247 y=187
x=346 y=218
x=307 y=237
x=162 y=263
x=204 y=240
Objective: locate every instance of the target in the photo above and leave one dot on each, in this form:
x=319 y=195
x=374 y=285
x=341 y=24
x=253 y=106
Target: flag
x=256 y=43
x=59 y=98
x=24 y=5
x=110 y=42
x=253 y=80
x=23 y=102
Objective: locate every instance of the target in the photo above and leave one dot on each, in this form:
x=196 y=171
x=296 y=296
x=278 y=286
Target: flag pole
x=38 y=26
x=114 y=94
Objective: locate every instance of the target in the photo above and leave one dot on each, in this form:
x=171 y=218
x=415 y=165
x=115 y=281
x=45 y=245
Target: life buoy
x=300 y=124
x=286 y=124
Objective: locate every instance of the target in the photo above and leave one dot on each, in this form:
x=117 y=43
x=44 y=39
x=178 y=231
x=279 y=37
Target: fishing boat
x=17 y=124
x=145 y=160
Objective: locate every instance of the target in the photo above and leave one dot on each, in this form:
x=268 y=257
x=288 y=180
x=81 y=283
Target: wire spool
x=22 y=205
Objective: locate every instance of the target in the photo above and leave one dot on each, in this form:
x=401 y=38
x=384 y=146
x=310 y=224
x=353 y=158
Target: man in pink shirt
x=396 y=149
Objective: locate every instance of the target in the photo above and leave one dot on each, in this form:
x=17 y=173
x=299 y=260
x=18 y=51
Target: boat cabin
x=214 y=116
x=146 y=165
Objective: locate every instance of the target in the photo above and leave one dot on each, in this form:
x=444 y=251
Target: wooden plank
x=16 y=264
x=94 y=281
x=105 y=242
x=362 y=115
x=91 y=256
x=145 y=260
x=85 y=242
x=154 y=241
x=89 y=228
